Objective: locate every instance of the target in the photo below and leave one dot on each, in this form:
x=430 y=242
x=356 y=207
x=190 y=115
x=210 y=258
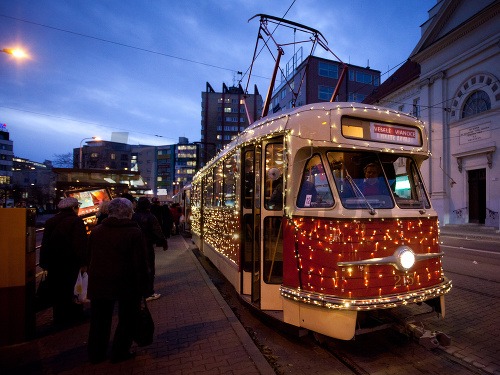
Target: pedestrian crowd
x=118 y=255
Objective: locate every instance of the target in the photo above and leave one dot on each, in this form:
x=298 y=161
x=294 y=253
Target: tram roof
x=283 y=122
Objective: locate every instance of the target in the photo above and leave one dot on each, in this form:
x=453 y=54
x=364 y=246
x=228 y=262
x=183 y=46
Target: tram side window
x=314 y=189
x=274 y=177
x=195 y=195
x=230 y=181
x=208 y=190
x=249 y=179
x=408 y=187
x=218 y=182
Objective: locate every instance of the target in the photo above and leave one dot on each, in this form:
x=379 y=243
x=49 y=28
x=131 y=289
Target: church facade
x=451 y=82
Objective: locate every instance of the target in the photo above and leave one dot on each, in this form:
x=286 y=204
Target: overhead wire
x=121 y=44
x=437 y=105
x=265 y=44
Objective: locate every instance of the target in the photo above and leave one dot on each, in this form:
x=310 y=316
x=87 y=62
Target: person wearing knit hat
x=63 y=254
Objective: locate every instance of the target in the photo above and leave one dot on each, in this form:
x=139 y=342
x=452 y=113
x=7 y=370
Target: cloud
x=140 y=67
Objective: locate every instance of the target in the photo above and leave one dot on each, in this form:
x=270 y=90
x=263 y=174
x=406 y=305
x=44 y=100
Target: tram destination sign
x=381 y=132
x=394 y=134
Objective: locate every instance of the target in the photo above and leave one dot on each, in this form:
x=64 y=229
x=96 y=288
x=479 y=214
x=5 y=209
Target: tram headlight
x=405 y=258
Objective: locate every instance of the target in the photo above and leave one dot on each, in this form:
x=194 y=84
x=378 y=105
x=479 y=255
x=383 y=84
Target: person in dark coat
x=164 y=216
x=118 y=272
x=63 y=254
x=154 y=235
x=176 y=211
x=102 y=212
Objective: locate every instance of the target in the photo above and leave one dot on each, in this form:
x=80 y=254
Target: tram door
x=271 y=224
x=251 y=181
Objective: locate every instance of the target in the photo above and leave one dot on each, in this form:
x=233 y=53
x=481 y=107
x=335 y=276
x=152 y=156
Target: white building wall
x=456 y=59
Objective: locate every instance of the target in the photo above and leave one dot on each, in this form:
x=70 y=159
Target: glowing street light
x=81 y=142
x=175 y=187
x=16 y=52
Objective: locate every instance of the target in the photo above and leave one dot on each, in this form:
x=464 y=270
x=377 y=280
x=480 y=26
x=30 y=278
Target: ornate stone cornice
x=455 y=35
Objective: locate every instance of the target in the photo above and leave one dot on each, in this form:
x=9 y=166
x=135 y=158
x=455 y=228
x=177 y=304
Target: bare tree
x=63 y=160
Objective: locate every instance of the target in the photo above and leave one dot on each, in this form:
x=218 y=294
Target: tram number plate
x=403 y=280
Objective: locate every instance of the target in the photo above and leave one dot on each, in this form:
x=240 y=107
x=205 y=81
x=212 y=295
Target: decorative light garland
x=321 y=243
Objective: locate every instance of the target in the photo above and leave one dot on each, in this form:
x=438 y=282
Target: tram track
x=413 y=359
x=348 y=362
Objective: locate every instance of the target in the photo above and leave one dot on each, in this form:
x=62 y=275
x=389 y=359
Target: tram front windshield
x=365 y=179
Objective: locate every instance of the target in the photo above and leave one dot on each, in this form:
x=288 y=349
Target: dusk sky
x=98 y=67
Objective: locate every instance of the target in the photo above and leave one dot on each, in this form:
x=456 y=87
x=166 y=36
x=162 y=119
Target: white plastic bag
x=81 y=285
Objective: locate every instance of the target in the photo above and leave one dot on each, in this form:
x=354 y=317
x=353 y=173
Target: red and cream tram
x=318 y=215
x=288 y=213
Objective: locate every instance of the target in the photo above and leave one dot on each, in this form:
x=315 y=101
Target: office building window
x=364 y=78
x=356 y=97
x=328 y=70
x=325 y=92
x=416 y=107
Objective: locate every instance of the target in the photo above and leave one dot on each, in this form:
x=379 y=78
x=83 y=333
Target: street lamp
x=81 y=142
x=16 y=52
x=174 y=188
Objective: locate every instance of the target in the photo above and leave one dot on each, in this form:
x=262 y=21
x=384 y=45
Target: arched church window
x=476 y=103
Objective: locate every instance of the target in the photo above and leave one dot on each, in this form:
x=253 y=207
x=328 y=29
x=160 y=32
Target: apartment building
x=224 y=115
x=314 y=79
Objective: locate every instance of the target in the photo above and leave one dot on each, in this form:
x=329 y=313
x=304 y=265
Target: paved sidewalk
x=196 y=332
x=472 y=306
x=471 y=231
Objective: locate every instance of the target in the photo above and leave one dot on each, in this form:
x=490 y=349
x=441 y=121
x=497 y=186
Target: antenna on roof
x=236 y=82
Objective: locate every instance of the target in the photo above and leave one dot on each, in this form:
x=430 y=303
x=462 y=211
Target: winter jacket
x=118 y=264
x=64 y=243
x=150 y=227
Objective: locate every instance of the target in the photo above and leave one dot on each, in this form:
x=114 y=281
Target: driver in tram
x=374 y=182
